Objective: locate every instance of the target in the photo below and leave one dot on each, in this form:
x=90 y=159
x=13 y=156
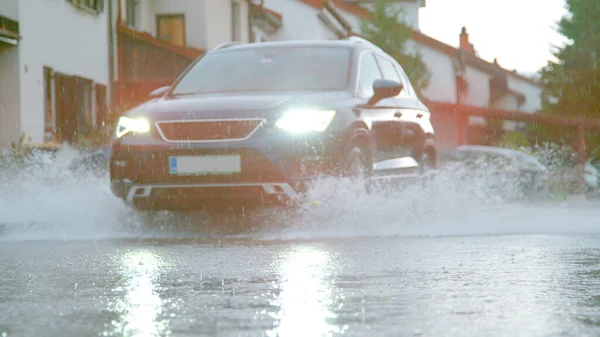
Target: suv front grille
x=209 y=130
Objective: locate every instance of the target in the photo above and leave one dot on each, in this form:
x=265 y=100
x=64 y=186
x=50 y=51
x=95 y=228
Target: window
x=408 y=90
x=390 y=72
x=96 y=6
x=369 y=72
x=236 y=25
x=529 y=161
x=171 y=28
x=269 y=69
x=130 y=12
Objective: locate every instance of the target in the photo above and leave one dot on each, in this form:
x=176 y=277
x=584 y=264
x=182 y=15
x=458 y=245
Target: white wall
x=478 y=91
x=219 y=22
x=58 y=35
x=10 y=9
x=145 y=15
x=533 y=93
x=300 y=22
x=10 y=124
x=442 y=82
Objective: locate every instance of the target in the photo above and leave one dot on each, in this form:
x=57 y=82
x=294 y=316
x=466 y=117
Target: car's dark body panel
x=269 y=154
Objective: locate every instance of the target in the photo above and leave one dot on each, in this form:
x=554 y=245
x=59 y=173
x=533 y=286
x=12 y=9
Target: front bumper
x=270 y=170
x=188 y=195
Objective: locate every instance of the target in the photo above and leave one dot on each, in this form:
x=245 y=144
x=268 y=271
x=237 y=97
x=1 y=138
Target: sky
x=519 y=33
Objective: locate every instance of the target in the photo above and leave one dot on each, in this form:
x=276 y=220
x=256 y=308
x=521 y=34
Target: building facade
x=55 y=72
x=69 y=66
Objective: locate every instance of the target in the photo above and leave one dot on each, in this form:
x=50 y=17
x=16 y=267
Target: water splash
x=49 y=196
x=55 y=197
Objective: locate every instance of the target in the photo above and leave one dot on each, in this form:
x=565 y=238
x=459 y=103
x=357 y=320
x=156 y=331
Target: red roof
x=318 y=4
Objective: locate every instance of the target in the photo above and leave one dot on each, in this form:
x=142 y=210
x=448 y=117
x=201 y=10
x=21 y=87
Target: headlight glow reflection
x=140 y=307
x=306 y=300
x=134 y=125
x=305 y=120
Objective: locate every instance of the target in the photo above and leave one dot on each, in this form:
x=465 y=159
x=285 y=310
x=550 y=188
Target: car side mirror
x=384 y=89
x=159 y=92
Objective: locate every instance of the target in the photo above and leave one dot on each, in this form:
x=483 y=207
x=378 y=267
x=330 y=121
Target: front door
x=66 y=108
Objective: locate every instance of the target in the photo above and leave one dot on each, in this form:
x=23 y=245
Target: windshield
x=268 y=69
x=530 y=161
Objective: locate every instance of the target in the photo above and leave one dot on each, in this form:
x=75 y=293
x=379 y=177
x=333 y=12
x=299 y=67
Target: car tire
x=358 y=164
x=427 y=165
x=428 y=162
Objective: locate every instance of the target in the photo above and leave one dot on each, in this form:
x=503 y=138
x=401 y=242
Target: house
x=94 y=59
x=69 y=67
x=54 y=68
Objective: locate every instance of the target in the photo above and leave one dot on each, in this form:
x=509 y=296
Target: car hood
x=234 y=106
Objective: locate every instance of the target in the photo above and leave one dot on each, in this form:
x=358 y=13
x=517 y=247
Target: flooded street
x=452 y=259
x=496 y=285
x=416 y=167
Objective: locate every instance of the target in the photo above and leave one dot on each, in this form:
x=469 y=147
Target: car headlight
x=133 y=125
x=305 y=120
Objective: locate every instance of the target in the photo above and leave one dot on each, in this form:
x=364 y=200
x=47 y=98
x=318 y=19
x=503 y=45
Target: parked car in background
x=252 y=123
x=504 y=166
x=591 y=173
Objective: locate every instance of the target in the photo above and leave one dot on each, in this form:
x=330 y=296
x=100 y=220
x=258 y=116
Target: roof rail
x=226 y=45
x=359 y=39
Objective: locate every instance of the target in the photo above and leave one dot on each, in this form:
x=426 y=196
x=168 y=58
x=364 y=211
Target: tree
x=388 y=30
x=574 y=79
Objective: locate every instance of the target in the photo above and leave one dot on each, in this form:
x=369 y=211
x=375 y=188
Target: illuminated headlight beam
x=133 y=125
x=305 y=120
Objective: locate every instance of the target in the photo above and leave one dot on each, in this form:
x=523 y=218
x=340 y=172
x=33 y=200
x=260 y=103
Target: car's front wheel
x=428 y=161
x=357 y=164
x=427 y=165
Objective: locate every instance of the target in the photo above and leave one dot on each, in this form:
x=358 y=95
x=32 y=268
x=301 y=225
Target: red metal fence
x=145 y=64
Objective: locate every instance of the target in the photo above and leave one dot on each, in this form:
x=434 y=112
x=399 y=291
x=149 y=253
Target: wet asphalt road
x=477 y=285
x=445 y=261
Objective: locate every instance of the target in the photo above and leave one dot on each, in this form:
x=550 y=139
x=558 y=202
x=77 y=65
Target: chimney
x=464 y=40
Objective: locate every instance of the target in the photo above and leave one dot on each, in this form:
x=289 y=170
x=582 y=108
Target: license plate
x=218 y=164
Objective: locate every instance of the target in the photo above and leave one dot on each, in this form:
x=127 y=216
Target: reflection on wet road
x=141 y=305
x=514 y=285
